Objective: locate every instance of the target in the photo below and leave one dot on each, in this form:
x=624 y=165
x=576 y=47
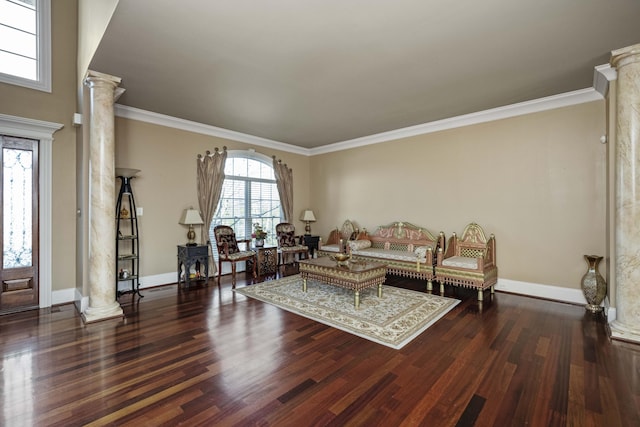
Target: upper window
x=25 y=43
x=249 y=196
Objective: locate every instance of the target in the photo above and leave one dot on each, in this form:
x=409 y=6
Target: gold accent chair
x=331 y=246
x=469 y=261
x=289 y=244
x=229 y=251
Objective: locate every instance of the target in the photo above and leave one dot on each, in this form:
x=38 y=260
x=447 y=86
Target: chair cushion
x=240 y=255
x=287 y=239
x=330 y=248
x=461 y=262
x=359 y=244
x=295 y=248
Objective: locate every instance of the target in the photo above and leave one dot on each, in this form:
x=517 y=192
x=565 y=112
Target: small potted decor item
x=259 y=234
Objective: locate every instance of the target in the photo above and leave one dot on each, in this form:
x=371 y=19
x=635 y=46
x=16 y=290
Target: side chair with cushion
x=229 y=251
x=287 y=243
x=469 y=261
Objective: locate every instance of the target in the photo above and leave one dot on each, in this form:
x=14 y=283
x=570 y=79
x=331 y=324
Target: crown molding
x=528 y=107
x=190 y=126
x=602 y=75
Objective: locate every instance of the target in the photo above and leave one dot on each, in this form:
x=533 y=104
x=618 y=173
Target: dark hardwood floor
x=207 y=356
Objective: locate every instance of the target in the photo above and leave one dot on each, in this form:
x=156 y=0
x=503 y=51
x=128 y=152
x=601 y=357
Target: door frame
x=43 y=131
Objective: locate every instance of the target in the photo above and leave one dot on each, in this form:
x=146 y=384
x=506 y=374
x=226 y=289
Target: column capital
x=94 y=77
x=626 y=55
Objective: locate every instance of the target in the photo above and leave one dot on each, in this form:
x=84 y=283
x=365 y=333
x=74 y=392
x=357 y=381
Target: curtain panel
x=284 y=182
x=210 y=180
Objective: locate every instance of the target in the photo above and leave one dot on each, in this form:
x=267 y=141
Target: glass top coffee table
x=352 y=275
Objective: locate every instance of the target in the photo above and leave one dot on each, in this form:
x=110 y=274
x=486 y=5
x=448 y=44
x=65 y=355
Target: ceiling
x=315 y=72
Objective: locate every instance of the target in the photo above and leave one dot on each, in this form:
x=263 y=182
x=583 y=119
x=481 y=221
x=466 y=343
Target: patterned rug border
x=423 y=309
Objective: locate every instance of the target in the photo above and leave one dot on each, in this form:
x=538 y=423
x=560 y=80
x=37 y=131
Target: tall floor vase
x=593 y=284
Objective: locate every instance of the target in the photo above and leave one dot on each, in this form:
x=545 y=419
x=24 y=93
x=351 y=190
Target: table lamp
x=191 y=217
x=307 y=216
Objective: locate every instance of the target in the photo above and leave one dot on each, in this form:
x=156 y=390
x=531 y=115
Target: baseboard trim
x=537 y=290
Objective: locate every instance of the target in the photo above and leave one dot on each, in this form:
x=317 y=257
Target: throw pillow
x=359 y=244
x=420 y=251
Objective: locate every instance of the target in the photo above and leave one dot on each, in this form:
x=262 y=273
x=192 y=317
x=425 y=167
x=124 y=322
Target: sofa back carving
x=404 y=236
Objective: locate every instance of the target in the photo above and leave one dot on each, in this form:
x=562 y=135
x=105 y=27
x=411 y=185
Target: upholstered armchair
x=469 y=261
x=287 y=243
x=229 y=251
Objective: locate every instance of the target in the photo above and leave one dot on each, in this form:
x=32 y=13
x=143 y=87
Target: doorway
x=19 y=195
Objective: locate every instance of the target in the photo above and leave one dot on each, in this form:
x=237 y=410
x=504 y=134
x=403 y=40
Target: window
x=25 y=43
x=249 y=196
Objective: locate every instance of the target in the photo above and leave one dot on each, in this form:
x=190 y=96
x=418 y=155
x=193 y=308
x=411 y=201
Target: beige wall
x=166 y=184
x=538 y=182
x=58 y=107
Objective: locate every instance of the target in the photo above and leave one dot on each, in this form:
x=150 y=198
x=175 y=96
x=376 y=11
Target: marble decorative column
x=102 y=196
x=627 y=194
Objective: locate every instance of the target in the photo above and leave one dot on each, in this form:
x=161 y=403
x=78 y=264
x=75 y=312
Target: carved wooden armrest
x=334 y=237
x=490 y=254
x=452 y=246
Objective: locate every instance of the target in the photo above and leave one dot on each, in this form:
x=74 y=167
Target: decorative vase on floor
x=259 y=243
x=593 y=284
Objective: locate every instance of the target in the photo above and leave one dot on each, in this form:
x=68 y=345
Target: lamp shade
x=307 y=215
x=191 y=217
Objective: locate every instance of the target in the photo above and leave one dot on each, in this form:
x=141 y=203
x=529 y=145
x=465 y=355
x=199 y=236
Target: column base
x=621 y=332
x=96 y=314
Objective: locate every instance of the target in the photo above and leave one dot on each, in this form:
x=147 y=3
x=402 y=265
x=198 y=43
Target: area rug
x=393 y=320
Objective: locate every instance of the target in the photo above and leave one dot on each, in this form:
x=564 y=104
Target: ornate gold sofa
x=406 y=249
x=469 y=261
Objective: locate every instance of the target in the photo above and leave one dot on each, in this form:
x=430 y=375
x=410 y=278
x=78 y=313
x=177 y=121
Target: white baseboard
x=63 y=296
x=74 y=295
x=537 y=290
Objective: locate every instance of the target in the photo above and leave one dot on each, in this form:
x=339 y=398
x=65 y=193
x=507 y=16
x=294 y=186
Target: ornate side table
x=312 y=243
x=197 y=256
x=267 y=259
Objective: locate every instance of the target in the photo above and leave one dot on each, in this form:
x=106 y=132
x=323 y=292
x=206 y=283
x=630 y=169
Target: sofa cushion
x=389 y=254
x=461 y=261
x=330 y=248
x=359 y=244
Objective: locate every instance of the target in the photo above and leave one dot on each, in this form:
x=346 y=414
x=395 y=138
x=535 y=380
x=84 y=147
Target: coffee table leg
x=304 y=285
x=356 y=296
x=380 y=290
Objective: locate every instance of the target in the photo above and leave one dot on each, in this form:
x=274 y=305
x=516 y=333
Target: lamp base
x=191 y=244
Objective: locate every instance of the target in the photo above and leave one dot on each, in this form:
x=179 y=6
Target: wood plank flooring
x=207 y=356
